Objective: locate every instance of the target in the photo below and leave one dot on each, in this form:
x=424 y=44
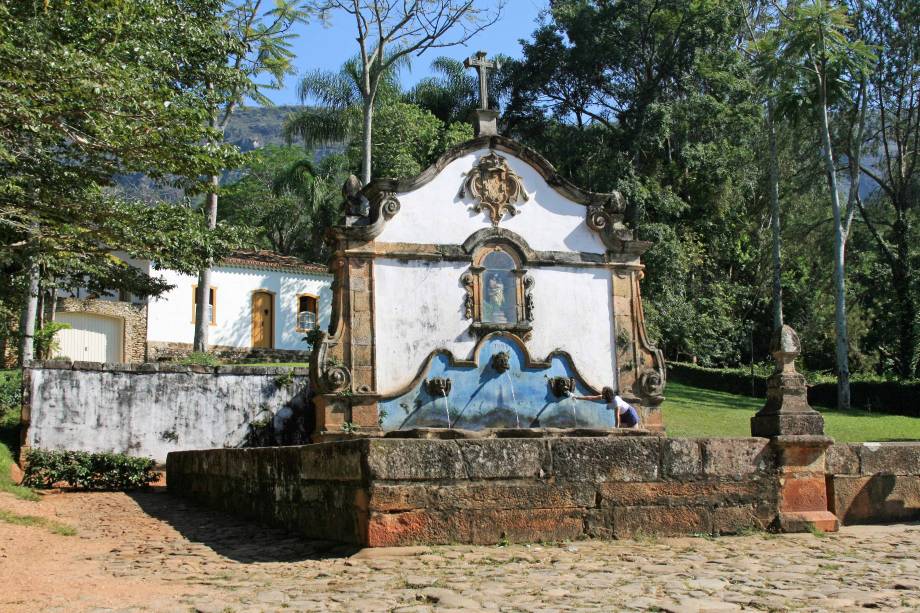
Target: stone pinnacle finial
x=484 y=118
x=786 y=410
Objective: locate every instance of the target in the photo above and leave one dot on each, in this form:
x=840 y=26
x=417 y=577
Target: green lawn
x=695 y=412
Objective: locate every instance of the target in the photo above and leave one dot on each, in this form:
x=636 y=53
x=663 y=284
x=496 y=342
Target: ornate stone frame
x=472 y=283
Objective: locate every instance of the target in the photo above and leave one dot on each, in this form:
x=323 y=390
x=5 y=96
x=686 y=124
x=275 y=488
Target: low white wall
x=150 y=410
x=170 y=317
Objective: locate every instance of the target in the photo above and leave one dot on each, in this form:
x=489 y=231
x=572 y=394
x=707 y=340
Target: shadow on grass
x=237 y=539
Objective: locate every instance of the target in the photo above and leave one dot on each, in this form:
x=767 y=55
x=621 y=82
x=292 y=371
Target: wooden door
x=263 y=319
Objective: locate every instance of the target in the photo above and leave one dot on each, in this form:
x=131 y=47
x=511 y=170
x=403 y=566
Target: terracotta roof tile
x=269 y=260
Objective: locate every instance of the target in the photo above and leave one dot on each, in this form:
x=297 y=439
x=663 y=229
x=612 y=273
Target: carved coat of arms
x=495 y=187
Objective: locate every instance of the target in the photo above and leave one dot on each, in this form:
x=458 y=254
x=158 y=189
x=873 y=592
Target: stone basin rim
x=491 y=433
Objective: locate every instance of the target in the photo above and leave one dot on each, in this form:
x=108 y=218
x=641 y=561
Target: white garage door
x=91 y=338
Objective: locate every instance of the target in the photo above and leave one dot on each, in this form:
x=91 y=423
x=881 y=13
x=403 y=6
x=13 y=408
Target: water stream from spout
x=517 y=417
x=446 y=407
x=574 y=413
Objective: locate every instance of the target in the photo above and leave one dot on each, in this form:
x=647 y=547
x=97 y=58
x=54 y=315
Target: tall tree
x=809 y=54
x=261 y=48
x=654 y=98
x=390 y=30
x=89 y=91
x=291 y=201
x=893 y=97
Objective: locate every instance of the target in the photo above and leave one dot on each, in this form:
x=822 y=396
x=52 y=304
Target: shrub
x=200 y=358
x=10 y=396
x=89 y=471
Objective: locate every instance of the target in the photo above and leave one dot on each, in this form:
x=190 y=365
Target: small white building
x=261 y=304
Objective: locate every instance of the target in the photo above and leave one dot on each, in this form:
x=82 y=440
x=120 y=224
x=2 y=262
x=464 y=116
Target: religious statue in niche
x=495 y=186
x=498 y=291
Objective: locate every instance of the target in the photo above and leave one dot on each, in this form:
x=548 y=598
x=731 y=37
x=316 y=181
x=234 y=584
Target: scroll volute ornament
x=495 y=187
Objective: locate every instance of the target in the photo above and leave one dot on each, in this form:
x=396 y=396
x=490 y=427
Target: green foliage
x=200 y=358
x=46 y=344
x=90 y=471
x=290 y=201
x=10 y=396
x=408 y=135
x=90 y=91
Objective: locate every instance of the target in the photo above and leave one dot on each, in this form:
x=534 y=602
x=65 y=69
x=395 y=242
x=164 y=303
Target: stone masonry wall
x=149 y=409
x=161 y=351
x=389 y=492
x=133 y=315
x=874 y=482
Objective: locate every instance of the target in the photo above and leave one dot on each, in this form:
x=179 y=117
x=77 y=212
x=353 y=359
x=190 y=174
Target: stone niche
x=478 y=295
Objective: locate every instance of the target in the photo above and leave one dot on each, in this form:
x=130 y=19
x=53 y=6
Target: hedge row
x=89 y=471
x=890 y=397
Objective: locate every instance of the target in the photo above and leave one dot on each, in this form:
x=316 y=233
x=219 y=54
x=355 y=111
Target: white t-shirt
x=621 y=404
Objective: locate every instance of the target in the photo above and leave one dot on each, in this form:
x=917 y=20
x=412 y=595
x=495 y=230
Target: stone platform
x=392 y=492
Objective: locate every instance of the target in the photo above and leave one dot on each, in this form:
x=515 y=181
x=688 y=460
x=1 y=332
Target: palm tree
x=337 y=114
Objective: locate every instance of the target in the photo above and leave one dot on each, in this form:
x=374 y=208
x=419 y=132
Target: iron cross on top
x=482 y=66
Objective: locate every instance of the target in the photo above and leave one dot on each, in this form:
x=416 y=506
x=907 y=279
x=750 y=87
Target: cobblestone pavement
x=152 y=552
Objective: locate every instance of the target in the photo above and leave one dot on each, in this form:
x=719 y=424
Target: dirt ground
x=151 y=552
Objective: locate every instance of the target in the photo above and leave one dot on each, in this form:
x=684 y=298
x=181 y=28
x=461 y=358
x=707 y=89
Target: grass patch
x=10 y=400
x=38 y=522
x=6 y=483
x=696 y=412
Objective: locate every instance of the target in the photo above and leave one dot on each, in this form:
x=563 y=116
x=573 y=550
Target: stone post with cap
x=796 y=433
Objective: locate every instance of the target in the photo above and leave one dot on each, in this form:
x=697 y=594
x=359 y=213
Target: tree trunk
x=902 y=275
x=367 y=136
x=775 y=223
x=843 y=367
x=202 y=293
x=30 y=314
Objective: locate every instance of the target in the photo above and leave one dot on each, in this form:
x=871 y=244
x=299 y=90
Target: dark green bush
x=869 y=393
x=10 y=395
x=89 y=471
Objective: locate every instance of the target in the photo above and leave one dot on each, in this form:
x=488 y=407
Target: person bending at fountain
x=626 y=414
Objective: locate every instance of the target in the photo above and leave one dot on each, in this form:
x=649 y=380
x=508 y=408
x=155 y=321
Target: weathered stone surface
x=481 y=495
x=732 y=519
x=663 y=521
x=736 y=458
x=615 y=459
x=876 y=498
x=414 y=460
x=892 y=458
x=842 y=459
x=616 y=493
x=476 y=526
x=681 y=458
x=505 y=459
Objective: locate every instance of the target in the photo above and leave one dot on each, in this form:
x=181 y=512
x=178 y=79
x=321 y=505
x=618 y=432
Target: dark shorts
x=629 y=418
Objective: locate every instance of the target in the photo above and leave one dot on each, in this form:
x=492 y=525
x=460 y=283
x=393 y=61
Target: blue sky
x=328 y=47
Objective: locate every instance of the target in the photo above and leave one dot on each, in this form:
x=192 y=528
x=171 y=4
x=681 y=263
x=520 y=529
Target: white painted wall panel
x=573 y=312
x=419 y=308
x=435 y=213
x=170 y=316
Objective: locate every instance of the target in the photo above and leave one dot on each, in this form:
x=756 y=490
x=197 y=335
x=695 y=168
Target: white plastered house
x=263 y=304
